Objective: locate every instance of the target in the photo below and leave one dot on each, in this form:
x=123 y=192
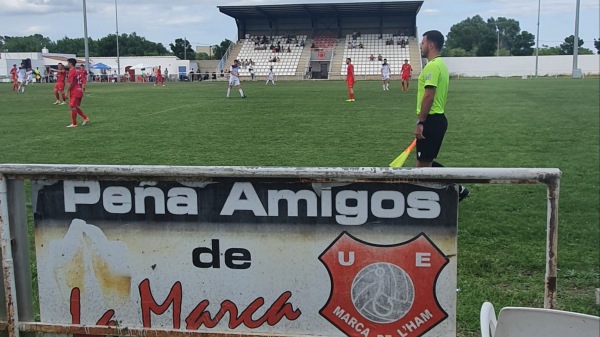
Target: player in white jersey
x=271 y=76
x=29 y=76
x=385 y=75
x=22 y=77
x=234 y=78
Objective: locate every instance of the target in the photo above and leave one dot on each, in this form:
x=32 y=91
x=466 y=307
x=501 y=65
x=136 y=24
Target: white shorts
x=20 y=80
x=234 y=81
x=385 y=77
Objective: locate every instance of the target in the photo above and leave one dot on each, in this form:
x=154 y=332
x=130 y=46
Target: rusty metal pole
x=8 y=272
x=552 y=243
x=17 y=217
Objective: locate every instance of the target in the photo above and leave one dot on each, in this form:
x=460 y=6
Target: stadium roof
x=389 y=8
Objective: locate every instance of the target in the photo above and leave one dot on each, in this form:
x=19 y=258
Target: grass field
x=493 y=123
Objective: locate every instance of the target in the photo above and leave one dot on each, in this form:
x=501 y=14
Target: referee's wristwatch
x=419 y=122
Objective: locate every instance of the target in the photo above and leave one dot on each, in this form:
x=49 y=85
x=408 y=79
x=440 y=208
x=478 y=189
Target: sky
x=202 y=24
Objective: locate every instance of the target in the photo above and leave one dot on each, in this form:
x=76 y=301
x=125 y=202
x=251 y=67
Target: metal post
x=118 y=55
x=185 y=48
x=551 y=243
x=498 y=41
x=576 y=71
x=10 y=290
x=85 y=38
x=17 y=217
x=537 y=44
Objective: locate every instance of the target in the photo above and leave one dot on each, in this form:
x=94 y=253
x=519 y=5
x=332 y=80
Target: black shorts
x=434 y=129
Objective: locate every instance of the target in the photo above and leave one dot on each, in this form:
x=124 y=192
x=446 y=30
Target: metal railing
x=14 y=237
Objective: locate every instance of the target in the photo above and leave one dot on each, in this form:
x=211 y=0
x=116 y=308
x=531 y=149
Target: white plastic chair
x=487 y=319
x=536 y=322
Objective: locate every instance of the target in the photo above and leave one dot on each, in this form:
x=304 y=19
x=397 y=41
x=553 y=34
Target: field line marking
x=172 y=109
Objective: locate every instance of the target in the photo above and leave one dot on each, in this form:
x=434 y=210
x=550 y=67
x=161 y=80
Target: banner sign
x=249 y=256
x=321 y=54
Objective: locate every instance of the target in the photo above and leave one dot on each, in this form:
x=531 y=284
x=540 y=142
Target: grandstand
x=366 y=60
x=284 y=63
x=330 y=32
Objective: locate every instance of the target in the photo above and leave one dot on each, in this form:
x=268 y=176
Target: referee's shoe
x=463 y=193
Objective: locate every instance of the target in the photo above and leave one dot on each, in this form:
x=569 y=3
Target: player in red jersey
x=406 y=73
x=84 y=75
x=59 y=87
x=350 y=80
x=159 y=78
x=13 y=75
x=75 y=94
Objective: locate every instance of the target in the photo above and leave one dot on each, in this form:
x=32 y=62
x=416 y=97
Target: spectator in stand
x=379 y=58
x=167 y=74
x=371 y=58
x=354 y=35
x=361 y=46
x=251 y=70
x=302 y=43
x=289 y=50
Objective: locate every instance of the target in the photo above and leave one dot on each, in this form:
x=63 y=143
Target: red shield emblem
x=321 y=55
x=379 y=290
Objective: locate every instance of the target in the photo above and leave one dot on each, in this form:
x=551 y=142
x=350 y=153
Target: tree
x=75 y=46
x=179 y=47
x=547 y=50
x=221 y=49
x=507 y=28
x=523 y=44
x=566 y=48
x=473 y=35
x=32 y=43
x=202 y=56
x=130 y=45
x=455 y=52
x=597 y=45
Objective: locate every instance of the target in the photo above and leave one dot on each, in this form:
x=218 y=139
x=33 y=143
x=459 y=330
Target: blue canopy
x=100 y=66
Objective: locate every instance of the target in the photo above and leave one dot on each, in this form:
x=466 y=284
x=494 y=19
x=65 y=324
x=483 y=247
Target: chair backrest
x=534 y=322
x=487 y=319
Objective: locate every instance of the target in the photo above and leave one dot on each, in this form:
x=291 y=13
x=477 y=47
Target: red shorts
x=14 y=79
x=159 y=79
x=350 y=84
x=59 y=86
x=405 y=77
x=75 y=102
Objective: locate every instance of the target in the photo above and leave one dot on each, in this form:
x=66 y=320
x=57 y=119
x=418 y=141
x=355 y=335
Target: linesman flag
x=399 y=161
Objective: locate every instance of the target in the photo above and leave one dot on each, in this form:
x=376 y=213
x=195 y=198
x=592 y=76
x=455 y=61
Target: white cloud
x=431 y=11
x=37 y=7
x=35 y=29
x=200 y=20
x=181 y=20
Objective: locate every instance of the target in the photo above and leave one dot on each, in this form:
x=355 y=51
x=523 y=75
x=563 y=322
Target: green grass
x=493 y=123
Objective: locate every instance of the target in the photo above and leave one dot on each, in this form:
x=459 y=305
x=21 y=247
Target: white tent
x=141 y=66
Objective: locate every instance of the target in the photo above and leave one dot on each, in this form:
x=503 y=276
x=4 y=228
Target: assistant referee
x=431 y=102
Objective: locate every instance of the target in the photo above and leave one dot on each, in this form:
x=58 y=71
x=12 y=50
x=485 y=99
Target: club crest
x=383 y=290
